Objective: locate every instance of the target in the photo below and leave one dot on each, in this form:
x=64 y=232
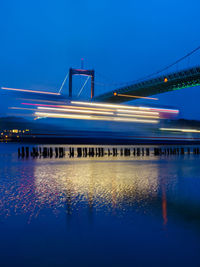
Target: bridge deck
x=161 y=84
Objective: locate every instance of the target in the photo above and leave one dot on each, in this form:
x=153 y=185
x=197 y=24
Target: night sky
x=121 y=40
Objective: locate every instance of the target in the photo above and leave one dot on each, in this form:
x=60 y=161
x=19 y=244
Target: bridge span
x=165 y=83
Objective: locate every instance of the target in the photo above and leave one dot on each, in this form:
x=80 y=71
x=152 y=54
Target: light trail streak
x=138 y=116
x=138 y=111
x=124 y=106
x=131 y=109
x=76 y=110
x=20 y=114
x=108 y=105
x=135 y=120
x=65 y=106
x=180 y=130
x=85 y=117
x=21 y=108
x=88 y=108
x=143 y=97
x=42 y=100
x=59 y=115
x=29 y=91
x=165 y=110
x=96 y=112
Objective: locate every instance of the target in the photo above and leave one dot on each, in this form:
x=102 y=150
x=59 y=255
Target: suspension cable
x=63 y=83
x=159 y=71
x=174 y=63
x=83 y=85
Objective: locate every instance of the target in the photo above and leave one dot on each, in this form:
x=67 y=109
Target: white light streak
x=108 y=105
x=76 y=110
x=59 y=115
x=124 y=106
x=71 y=116
x=138 y=111
x=166 y=110
x=65 y=106
x=137 y=116
x=136 y=120
x=29 y=91
x=180 y=130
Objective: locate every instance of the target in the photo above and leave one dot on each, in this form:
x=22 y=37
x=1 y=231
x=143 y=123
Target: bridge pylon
x=81 y=72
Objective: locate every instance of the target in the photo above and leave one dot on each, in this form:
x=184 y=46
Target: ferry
x=52 y=118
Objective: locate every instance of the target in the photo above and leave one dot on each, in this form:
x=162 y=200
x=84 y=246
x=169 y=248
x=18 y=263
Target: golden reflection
x=111 y=186
x=95 y=183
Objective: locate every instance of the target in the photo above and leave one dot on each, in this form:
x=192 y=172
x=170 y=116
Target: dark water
x=97 y=212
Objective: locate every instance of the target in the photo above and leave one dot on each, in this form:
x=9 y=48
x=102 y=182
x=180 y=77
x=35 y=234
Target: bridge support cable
x=156 y=72
x=168 y=66
x=176 y=62
x=165 y=83
x=83 y=85
x=63 y=83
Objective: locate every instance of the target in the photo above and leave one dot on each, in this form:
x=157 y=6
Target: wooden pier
x=84 y=152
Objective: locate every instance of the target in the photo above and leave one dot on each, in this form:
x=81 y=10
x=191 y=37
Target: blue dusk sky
x=121 y=40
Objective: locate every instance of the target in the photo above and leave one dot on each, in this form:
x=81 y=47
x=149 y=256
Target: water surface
x=139 y=211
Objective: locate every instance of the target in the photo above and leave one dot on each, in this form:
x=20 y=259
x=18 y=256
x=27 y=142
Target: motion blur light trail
x=111 y=112
x=59 y=115
x=133 y=96
x=51 y=115
x=29 y=91
x=77 y=110
x=180 y=130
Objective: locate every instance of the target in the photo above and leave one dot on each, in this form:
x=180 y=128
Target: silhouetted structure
x=83 y=73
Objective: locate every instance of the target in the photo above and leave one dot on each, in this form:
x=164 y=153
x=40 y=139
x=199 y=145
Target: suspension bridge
x=153 y=84
x=165 y=83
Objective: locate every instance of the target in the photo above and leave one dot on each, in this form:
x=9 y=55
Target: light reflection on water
x=100 y=183
x=45 y=184
x=136 y=200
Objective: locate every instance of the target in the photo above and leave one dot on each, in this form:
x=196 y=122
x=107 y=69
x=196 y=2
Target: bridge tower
x=81 y=72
